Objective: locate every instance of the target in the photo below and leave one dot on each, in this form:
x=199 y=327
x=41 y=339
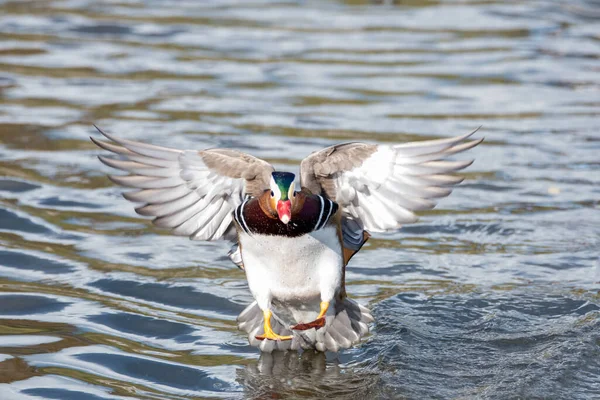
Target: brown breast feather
x=261 y=220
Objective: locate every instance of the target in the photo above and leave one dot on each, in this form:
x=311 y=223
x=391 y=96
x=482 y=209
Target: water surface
x=493 y=295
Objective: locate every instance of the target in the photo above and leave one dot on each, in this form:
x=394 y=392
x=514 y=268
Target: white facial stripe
x=291 y=191
x=275 y=190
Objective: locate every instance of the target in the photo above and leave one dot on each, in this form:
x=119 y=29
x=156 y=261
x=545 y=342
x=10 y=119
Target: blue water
x=492 y=295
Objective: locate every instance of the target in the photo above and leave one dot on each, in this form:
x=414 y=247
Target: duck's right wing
x=193 y=193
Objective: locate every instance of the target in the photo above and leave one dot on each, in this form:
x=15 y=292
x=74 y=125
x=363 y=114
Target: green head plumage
x=283 y=180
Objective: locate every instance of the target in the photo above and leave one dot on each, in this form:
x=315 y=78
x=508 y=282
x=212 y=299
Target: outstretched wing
x=378 y=187
x=193 y=193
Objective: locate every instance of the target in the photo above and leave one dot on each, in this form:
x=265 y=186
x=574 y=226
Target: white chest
x=297 y=269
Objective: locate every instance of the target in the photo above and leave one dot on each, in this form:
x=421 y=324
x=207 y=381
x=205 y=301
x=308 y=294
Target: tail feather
x=342 y=330
x=250 y=318
x=235 y=255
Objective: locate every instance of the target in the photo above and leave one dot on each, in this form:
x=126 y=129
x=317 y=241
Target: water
x=493 y=295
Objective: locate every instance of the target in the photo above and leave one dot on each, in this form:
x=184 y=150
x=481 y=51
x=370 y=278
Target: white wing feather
x=381 y=193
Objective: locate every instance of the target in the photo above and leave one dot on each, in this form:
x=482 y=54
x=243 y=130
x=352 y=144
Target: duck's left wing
x=193 y=193
x=378 y=187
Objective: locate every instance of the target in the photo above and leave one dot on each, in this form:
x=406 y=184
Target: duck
x=293 y=242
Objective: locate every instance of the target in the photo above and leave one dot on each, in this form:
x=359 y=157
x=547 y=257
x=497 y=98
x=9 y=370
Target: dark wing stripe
x=330 y=207
x=320 y=213
x=239 y=217
x=244 y=226
x=235 y=215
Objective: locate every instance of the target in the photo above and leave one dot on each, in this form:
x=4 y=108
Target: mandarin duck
x=293 y=245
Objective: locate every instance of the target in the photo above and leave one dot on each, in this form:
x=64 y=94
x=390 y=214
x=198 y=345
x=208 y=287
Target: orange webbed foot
x=269 y=334
x=272 y=336
x=317 y=323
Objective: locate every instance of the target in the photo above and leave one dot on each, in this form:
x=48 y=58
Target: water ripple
x=493 y=294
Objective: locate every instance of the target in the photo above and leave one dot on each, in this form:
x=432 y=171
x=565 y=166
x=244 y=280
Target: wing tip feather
x=472 y=143
x=463 y=164
x=114 y=163
x=98 y=143
x=98 y=129
x=146 y=210
x=448 y=143
x=476 y=129
x=107 y=135
x=116 y=179
x=103 y=160
x=130 y=196
x=462 y=138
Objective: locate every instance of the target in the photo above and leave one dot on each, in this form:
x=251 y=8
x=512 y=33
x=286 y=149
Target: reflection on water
x=494 y=294
x=284 y=375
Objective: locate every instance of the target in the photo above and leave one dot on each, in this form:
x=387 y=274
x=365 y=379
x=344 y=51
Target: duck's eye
x=272 y=194
x=294 y=194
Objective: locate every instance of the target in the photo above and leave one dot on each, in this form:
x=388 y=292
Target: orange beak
x=284 y=210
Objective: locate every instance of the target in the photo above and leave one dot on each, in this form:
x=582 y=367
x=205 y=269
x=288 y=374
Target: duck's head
x=283 y=194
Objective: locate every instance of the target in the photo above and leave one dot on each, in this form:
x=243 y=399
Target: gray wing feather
x=317 y=170
x=193 y=193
